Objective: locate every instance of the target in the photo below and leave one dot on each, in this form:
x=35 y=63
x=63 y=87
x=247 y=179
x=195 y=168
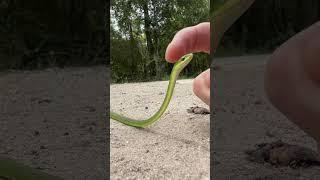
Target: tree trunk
x=147 y=29
x=132 y=49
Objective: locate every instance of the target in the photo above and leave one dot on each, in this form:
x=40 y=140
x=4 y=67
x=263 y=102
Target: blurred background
x=266 y=25
x=39 y=34
x=239 y=97
x=54 y=87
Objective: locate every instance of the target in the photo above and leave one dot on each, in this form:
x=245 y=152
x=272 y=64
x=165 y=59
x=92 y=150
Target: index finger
x=189 y=40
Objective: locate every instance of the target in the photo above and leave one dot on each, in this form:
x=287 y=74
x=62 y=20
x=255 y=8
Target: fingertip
x=174 y=52
x=189 y=39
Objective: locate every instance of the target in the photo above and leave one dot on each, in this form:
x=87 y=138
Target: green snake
x=177 y=68
x=10 y=169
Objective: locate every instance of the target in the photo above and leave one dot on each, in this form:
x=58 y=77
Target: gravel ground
x=174 y=147
x=244 y=117
x=54 y=120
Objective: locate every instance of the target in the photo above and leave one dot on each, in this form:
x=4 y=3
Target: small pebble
x=258 y=102
x=36 y=133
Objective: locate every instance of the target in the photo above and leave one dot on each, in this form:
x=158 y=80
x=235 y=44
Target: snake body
x=177 y=68
x=10 y=169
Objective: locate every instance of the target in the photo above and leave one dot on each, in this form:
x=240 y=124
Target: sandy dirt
x=244 y=117
x=54 y=120
x=175 y=147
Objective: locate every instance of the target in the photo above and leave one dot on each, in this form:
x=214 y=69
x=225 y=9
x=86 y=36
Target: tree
x=151 y=24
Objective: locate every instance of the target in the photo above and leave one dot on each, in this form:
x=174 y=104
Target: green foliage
x=268 y=24
x=38 y=34
x=11 y=169
x=141 y=31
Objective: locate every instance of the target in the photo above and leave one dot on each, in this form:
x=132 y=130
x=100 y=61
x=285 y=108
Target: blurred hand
x=292 y=80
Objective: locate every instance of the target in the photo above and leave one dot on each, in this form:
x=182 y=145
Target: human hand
x=189 y=40
x=292 y=80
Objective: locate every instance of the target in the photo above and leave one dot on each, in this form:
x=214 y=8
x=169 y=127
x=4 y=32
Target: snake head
x=182 y=62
